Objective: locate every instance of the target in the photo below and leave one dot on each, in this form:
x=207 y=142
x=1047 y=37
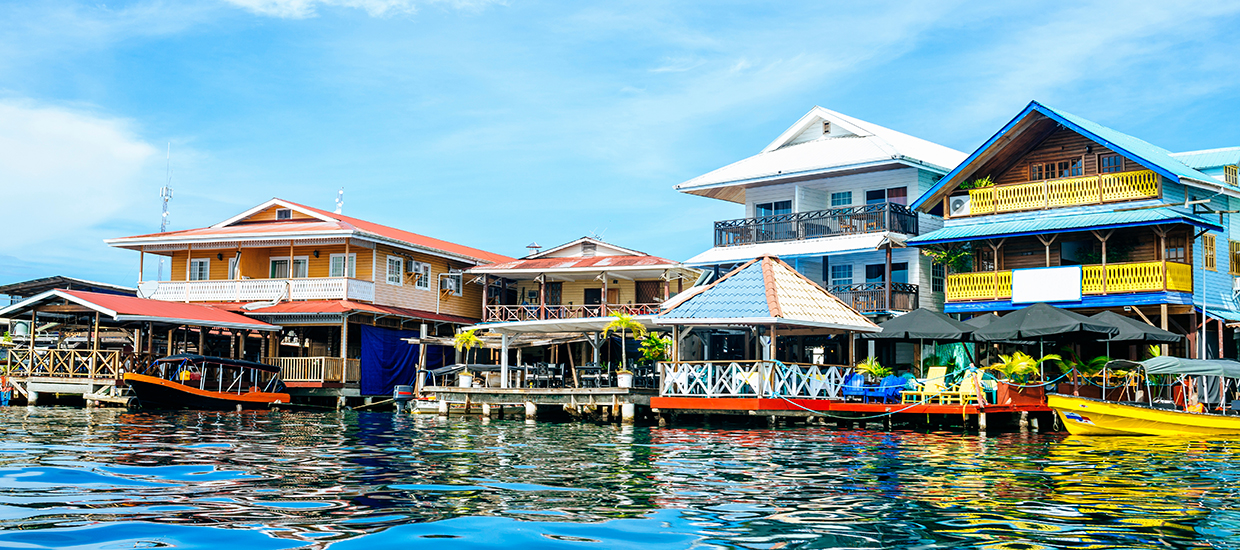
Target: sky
x=495 y=124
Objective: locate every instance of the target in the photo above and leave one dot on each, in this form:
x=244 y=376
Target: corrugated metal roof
x=767 y=290
x=1065 y=220
x=311 y=307
x=825 y=246
x=1209 y=158
x=600 y=262
x=128 y=308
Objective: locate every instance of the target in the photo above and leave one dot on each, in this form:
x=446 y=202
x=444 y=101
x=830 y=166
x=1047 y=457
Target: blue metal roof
x=1150 y=156
x=1209 y=158
x=742 y=294
x=968 y=229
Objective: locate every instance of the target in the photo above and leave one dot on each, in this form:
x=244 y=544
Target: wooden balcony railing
x=318 y=369
x=501 y=314
x=64 y=363
x=869 y=218
x=1059 y=193
x=1120 y=279
x=751 y=379
x=256 y=290
x=872 y=297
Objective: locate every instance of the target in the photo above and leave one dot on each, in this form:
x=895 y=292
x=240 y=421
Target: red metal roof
x=600 y=262
x=344 y=306
x=161 y=311
x=342 y=223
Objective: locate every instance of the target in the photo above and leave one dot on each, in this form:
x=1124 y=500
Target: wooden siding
x=1063 y=144
x=469 y=304
x=816 y=194
x=1029 y=252
x=269 y=214
x=574 y=292
x=256 y=262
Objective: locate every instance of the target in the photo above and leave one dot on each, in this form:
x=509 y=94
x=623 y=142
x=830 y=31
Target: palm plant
x=1153 y=351
x=1072 y=362
x=1019 y=366
x=872 y=367
x=466 y=340
x=655 y=348
x=625 y=324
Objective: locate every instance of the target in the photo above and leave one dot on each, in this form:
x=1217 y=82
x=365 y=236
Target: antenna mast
x=165 y=193
x=340 y=201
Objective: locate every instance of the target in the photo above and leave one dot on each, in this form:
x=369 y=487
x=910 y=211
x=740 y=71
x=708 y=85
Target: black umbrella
x=1132 y=330
x=922 y=324
x=982 y=320
x=1042 y=320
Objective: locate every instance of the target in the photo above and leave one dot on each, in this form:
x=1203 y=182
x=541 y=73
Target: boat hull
x=156 y=392
x=1086 y=416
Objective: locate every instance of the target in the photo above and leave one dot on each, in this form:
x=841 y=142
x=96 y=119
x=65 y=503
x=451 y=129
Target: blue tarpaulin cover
x=387 y=360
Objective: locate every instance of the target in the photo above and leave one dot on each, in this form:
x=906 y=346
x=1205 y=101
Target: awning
x=1178 y=365
x=823 y=246
x=336 y=307
x=922 y=324
x=1040 y=223
x=590 y=324
x=124 y=309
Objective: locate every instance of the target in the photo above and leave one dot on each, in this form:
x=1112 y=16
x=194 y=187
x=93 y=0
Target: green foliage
x=624 y=324
x=655 y=348
x=978 y=183
x=872 y=367
x=7 y=339
x=957 y=257
x=466 y=340
x=1091 y=367
x=1019 y=366
x=938 y=361
x=1153 y=351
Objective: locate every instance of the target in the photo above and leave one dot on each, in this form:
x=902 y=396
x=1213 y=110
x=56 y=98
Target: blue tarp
x=387 y=360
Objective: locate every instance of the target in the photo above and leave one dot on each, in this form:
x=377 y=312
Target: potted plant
x=874 y=370
x=625 y=324
x=1015 y=371
x=466 y=340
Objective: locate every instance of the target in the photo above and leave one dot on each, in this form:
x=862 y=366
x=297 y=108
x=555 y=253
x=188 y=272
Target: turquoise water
x=74 y=478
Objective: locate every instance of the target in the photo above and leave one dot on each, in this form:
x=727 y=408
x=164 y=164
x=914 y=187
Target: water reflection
x=103 y=478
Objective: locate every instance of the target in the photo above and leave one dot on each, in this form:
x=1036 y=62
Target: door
x=649 y=292
x=613 y=295
x=594 y=296
x=555 y=294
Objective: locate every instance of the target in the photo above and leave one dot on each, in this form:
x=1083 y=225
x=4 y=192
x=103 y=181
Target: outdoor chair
x=854 y=386
x=930 y=390
x=891 y=387
x=965 y=392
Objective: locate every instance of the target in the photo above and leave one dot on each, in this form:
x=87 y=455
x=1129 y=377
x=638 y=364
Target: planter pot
x=464 y=380
x=624 y=380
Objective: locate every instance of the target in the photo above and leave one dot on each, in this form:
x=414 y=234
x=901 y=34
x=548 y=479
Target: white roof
x=545 y=326
x=825 y=246
x=804 y=150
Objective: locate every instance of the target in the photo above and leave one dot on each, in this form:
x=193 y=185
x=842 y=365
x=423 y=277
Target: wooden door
x=613 y=295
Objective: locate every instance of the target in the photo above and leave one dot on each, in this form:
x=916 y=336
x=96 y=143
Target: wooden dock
x=622 y=403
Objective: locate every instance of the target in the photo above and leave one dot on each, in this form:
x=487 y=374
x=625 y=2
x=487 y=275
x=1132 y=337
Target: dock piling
x=628 y=413
x=531 y=410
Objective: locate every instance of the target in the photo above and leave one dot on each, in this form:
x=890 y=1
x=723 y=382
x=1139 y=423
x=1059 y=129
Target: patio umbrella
x=922 y=324
x=1041 y=320
x=982 y=320
x=1132 y=330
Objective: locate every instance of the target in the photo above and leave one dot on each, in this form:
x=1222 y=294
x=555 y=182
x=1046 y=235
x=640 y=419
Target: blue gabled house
x=1060 y=209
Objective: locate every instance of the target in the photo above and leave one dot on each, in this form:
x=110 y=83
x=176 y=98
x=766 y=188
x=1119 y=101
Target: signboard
x=1046 y=284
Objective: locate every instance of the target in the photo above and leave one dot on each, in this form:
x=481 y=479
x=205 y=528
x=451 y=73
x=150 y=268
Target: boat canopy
x=1179 y=365
x=239 y=363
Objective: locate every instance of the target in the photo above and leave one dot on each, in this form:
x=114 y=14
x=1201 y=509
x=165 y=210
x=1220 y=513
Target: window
x=1207 y=246
x=1176 y=251
x=773 y=208
x=875 y=273
x=279 y=268
x=841 y=275
x=898 y=195
x=938 y=273
x=1109 y=164
x=1035 y=172
x=284 y=214
x=1230 y=175
x=232 y=268
x=422 y=273
x=395 y=270
x=200 y=269
x=841 y=199
x=451 y=283
x=342 y=266
x=1233 y=253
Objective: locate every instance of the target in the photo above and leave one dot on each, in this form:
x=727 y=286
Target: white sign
x=1046 y=284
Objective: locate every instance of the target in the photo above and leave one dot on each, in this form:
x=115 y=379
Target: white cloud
x=300 y=9
x=68 y=175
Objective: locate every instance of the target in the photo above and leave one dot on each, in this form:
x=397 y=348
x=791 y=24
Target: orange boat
x=188 y=381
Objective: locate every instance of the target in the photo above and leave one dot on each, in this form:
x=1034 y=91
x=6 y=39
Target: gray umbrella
x=1040 y=321
x=922 y=324
x=1132 y=330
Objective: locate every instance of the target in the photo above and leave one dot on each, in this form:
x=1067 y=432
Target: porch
x=1097 y=280
x=318 y=372
x=869 y=218
x=508 y=313
x=254 y=290
x=86 y=364
x=1058 y=193
x=877 y=297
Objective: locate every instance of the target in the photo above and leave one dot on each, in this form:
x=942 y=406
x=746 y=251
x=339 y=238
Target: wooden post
x=887 y=279
x=344 y=337
x=1220 y=354
x=542 y=296
x=150 y=339
x=1101 y=236
x=94 y=337
x=1047 y=242
x=486 y=288
x=290 y=264
x=852 y=352
x=1162 y=312
x=141 y=262
x=603 y=309
x=202 y=340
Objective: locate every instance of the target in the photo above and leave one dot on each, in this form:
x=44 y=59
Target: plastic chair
x=931 y=390
x=854 y=386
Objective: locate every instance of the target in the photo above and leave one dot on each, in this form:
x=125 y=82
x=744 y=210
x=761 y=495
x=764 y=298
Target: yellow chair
x=966 y=391
x=930 y=391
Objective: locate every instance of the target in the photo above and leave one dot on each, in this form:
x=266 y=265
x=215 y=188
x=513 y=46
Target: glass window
x=1231 y=175
x=1207 y=245
x=232 y=268
x=1076 y=167
x=875 y=273
x=343 y=267
x=938 y=273
x=773 y=208
x=284 y=214
x=422 y=271
x=200 y=269
x=395 y=270
x=841 y=275
x=841 y=199
x=452 y=283
x=1109 y=164
x=1176 y=251
x=899 y=272
x=898 y=195
x=279 y=268
x=876 y=196
x=1035 y=172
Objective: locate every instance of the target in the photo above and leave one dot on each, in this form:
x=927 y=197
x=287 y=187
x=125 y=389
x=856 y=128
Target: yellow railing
x=1120 y=279
x=1064 y=192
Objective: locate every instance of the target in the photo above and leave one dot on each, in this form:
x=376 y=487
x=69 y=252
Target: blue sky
x=494 y=124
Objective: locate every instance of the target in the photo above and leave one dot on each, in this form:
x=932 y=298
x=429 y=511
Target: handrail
x=534 y=312
x=64 y=363
x=252 y=290
x=867 y=218
x=872 y=297
x=1121 y=278
x=1061 y=192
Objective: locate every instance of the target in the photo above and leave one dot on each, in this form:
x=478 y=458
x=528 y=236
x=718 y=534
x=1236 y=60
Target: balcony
x=1120 y=279
x=256 y=290
x=872 y=297
x=1059 y=193
x=870 y=218
x=503 y=314
x=318 y=371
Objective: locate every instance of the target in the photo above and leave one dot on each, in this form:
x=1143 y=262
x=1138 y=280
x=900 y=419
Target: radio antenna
x=340 y=201
x=165 y=193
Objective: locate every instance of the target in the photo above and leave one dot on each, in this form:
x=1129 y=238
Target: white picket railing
x=255 y=290
x=751 y=379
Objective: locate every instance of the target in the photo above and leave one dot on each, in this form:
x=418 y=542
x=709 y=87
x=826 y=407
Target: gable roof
x=38 y=286
x=323 y=224
x=852 y=145
x=132 y=309
x=1209 y=158
x=766 y=291
x=597 y=243
x=1150 y=156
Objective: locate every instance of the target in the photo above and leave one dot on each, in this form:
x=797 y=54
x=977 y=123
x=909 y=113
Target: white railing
x=254 y=290
x=751 y=379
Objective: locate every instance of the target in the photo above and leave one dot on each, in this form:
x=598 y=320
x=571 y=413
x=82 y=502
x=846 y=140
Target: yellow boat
x=1086 y=416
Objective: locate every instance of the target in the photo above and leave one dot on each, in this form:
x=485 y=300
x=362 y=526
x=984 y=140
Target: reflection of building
x=1131 y=227
x=336 y=284
x=829 y=196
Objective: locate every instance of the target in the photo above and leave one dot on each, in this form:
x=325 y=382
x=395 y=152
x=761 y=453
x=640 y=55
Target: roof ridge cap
x=772 y=292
